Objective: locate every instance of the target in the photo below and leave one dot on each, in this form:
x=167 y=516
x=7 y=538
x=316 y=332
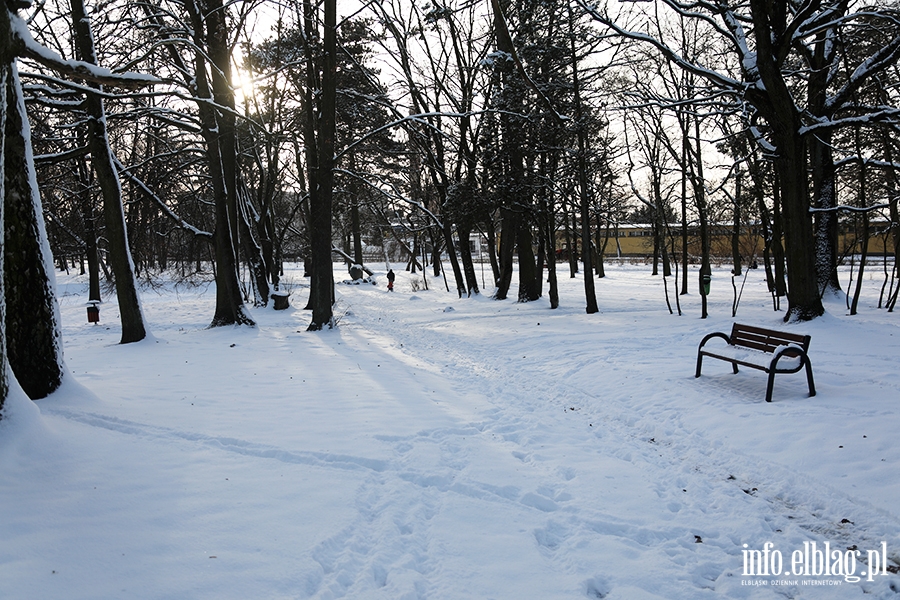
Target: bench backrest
x=767 y=340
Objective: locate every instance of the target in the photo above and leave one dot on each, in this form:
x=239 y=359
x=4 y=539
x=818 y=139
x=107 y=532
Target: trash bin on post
x=93 y=312
x=707 y=279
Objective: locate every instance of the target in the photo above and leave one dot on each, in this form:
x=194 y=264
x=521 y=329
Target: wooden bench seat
x=764 y=349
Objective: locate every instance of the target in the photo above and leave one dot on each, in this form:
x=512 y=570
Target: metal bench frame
x=768 y=342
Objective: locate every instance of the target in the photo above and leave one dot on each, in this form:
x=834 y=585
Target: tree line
x=212 y=139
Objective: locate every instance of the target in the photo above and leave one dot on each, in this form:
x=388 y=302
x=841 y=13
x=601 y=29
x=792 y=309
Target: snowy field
x=445 y=448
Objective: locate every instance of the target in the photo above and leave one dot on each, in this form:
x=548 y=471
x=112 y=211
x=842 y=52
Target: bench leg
x=700 y=364
x=770 y=386
x=809 y=378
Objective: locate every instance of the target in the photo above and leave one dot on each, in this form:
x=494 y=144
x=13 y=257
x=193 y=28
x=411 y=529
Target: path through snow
x=435 y=447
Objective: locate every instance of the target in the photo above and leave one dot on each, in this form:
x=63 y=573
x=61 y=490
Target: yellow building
x=636 y=240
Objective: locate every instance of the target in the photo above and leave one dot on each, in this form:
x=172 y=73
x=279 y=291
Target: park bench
x=764 y=349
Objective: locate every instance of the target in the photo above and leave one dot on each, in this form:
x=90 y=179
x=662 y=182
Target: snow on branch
x=883 y=58
x=503 y=30
x=62 y=156
x=160 y=203
x=845 y=208
x=882 y=114
x=869 y=162
x=394 y=195
x=77 y=87
x=420 y=118
x=668 y=53
x=27 y=47
x=51 y=216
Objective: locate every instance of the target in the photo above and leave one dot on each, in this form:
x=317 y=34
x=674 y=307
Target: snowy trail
x=702 y=481
x=439 y=448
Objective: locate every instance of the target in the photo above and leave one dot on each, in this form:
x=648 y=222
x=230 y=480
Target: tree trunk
x=322 y=282
x=552 y=283
x=508 y=228
x=229 y=303
x=736 y=226
x=528 y=271
x=492 y=251
x=705 y=276
x=777 y=106
x=104 y=166
x=777 y=245
x=684 y=223
x=252 y=250
x=804 y=302
x=541 y=260
x=451 y=249
x=654 y=229
x=571 y=241
x=86 y=202
x=33 y=345
x=223 y=93
x=7 y=59
x=435 y=252
x=863 y=257
x=822 y=166
x=894 y=214
x=356 y=232
x=590 y=294
x=825 y=196
x=862 y=202
x=465 y=253
x=601 y=247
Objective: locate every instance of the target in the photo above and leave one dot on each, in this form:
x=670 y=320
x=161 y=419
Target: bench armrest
x=716 y=334
x=791 y=351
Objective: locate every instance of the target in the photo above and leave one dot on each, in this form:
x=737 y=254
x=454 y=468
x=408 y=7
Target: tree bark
x=894 y=213
x=465 y=253
x=322 y=281
x=776 y=104
x=86 y=202
x=7 y=58
x=528 y=271
x=508 y=227
x=549 y=234
x=684 y=223
x=229 y=303
x=33 y=339
x=133 y=329
x=824 y=183
x=705 y=275
x=826 y=230
x=777 y=246
x=736 y=225
x=590 y=294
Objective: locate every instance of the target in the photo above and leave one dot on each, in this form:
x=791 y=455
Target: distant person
x=391 y=278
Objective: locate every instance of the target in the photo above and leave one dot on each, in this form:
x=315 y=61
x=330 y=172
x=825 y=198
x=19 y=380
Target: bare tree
x=39 y=361
x=767 y=43
x=103 y=163
x=319 y=136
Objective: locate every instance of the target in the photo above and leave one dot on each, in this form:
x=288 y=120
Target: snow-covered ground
x=445 y=448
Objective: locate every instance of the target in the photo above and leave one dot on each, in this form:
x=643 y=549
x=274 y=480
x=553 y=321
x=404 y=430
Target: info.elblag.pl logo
x=814 y=560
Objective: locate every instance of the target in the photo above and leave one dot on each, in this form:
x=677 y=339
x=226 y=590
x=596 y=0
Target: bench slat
x=781 y=338
x=763 y=346
x=767 y=340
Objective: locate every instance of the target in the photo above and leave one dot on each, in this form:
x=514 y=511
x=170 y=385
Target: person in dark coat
x=391 y=277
